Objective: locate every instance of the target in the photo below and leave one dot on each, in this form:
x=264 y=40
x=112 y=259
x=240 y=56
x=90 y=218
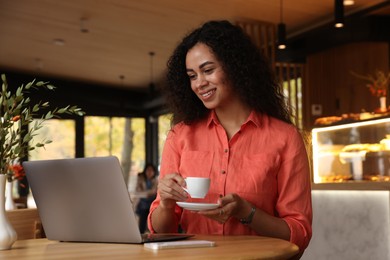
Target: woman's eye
x=192 y=76
x=208 y=71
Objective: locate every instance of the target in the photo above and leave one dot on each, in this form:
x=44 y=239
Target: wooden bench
x=26 y=223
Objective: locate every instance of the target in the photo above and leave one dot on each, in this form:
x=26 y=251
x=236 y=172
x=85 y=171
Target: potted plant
x=17 y=137
x=378 y=86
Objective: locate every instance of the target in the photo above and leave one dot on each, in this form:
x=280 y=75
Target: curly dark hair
x=246 y=67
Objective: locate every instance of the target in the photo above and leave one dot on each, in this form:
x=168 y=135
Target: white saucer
x=197 y=206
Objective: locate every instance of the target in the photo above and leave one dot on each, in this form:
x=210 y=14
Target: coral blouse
x=265 y=163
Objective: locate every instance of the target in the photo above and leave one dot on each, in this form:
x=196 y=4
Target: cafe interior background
x=109 y=57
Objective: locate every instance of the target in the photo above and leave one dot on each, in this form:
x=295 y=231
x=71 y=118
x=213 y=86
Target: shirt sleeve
x=169 y=163
x=294 y=187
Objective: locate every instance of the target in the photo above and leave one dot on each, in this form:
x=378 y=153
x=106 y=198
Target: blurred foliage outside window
x=103 y=136
x=62 y=133
x=164 y=125
x=293 y=92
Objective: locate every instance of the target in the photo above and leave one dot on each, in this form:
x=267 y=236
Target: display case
x=352 y=152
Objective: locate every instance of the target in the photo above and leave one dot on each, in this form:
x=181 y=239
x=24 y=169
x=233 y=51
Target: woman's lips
x=208 y=94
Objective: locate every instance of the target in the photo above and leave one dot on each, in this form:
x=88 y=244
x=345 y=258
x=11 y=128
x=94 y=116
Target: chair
x=26 y=223
x=21 y=202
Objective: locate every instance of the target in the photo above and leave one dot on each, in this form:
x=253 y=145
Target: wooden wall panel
x=330 y=84
x=263 y=35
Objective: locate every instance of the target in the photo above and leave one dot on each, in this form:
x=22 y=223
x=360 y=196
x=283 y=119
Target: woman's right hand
x=170 y=190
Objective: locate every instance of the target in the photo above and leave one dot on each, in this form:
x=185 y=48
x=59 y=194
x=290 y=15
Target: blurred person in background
x=147 y=184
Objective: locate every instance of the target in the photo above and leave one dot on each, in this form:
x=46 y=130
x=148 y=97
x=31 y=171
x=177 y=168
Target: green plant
x=17 y=113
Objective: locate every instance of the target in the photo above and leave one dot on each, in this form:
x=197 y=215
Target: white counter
x=350 y=224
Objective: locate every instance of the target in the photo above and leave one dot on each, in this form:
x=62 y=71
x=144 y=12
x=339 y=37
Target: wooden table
x=227 y=247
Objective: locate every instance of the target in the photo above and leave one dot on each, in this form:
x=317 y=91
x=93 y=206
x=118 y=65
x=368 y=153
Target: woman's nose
x=201 y=82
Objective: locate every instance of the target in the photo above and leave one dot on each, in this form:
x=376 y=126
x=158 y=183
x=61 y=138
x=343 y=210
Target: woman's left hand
x=231 y=205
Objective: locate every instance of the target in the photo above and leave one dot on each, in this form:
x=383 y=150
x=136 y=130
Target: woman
x=146 y=183
x=230 y=123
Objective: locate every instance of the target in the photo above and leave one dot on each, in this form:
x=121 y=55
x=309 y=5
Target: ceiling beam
x=95 y=100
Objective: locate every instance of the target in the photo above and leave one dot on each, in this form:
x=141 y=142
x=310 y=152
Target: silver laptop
x=86 y=200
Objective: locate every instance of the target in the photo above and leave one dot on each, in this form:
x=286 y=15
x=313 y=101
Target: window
x=292 y=78
x=120 y=137
x=62 y=134
x=164 y=125
x=103 y=136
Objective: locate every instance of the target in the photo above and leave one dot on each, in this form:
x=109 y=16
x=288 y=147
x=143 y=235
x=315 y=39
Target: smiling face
x=208 y=80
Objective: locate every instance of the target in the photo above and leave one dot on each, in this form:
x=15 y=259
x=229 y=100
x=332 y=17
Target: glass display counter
x=350 y=190
x=352 y=152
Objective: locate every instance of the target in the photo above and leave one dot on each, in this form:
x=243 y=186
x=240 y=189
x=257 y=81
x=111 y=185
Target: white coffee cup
x=197 y=187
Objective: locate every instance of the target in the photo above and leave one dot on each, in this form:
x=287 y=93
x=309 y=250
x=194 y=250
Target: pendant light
x=152 y=87
x=338 y=13
x=121 y=79
x=281 y=29
x=348 y=2
x=83 y=27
